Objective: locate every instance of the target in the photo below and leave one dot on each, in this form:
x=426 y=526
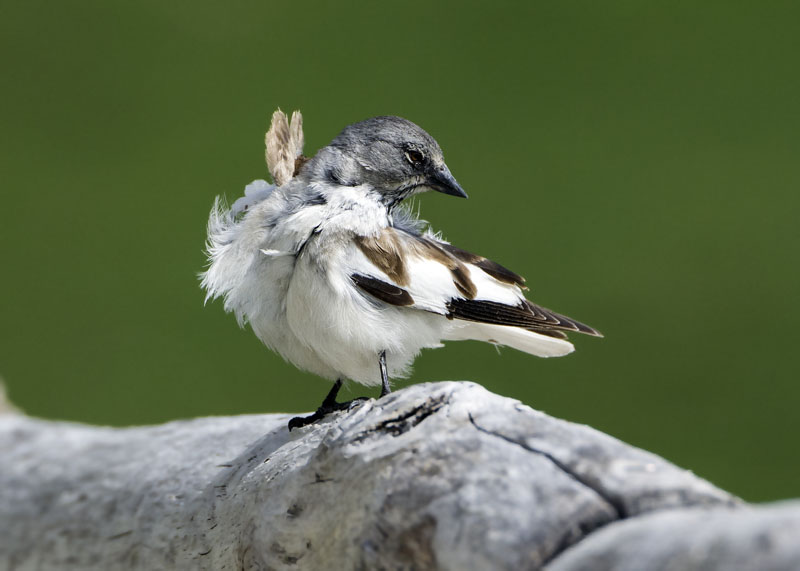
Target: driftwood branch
x=436 y=476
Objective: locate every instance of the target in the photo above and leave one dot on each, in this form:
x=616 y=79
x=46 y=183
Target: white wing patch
x=491 y=289
x=431 y=284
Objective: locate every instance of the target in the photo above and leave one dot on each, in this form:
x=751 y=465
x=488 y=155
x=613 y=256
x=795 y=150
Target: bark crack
x=620 y=512
x=406 y=420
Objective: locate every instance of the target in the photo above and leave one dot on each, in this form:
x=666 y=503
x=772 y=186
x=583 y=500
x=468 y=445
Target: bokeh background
x=638 y=162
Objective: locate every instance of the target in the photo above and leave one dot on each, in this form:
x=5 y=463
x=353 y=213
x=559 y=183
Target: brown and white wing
x=483 y=298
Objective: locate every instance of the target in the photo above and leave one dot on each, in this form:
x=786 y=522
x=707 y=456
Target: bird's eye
x=415 y=157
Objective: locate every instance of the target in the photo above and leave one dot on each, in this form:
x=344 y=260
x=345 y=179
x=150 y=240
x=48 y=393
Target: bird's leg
x=385 y=390
x=328 y=406
x=330 y=399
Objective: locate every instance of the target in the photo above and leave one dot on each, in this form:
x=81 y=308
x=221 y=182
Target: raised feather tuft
x=284 y=144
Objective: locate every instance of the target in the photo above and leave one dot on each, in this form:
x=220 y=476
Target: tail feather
x=515 y=337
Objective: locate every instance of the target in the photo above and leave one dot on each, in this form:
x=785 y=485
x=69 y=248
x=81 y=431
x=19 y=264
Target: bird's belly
x=268 y=285
x=348 y=330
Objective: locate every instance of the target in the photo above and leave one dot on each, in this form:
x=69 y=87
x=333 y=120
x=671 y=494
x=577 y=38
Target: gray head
x=391 y=154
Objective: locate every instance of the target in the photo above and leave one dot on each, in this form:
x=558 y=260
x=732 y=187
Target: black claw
x=319 y=414
x=328 y=406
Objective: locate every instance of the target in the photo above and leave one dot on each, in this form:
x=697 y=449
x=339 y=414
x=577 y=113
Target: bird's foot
x=323 y=411
x=330 y=405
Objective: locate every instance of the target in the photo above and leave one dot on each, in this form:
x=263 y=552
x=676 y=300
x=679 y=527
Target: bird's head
x=392 y=155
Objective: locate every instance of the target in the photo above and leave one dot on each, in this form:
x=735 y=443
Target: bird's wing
x=425 y=273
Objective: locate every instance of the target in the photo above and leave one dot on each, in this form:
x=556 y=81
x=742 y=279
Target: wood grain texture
x=436 y=476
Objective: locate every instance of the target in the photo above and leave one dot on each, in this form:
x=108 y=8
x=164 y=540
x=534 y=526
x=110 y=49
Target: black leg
x=330 y=400
x=385 y=390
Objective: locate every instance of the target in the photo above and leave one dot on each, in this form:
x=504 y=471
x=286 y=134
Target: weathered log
x=435 y=476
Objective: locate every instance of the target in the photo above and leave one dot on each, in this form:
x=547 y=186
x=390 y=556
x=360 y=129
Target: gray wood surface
x=436 y=476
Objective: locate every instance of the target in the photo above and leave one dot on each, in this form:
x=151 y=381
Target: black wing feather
x=526 y=315
x=383 y=291
x=498 y=272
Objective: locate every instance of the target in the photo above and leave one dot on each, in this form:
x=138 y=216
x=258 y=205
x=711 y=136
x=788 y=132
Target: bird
x=333 y=271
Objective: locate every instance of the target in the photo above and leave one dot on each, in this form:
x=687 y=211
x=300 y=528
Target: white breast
x=346 y=328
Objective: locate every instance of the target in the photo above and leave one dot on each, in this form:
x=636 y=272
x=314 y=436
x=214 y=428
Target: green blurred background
x=636 y=161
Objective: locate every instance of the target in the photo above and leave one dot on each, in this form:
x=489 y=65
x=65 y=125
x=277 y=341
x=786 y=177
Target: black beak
x=441 y=180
